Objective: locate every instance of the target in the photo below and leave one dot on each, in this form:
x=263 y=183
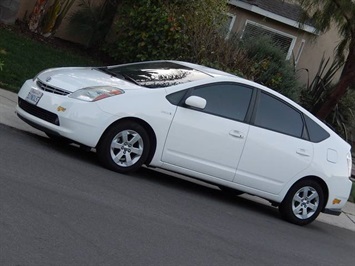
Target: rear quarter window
x=316 y=132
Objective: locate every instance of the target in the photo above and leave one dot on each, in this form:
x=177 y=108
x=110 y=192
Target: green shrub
x=2 y=53
x=162 y=29
x=92 y=21
x=191 y=31
x=145 y=30
x=270 y=68
x=342 y=118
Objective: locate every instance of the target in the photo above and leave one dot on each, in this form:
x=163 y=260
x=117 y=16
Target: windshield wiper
x=107 y=71
x=117 y=75
x=128 y=78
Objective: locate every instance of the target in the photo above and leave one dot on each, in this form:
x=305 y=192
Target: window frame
x=300 y=50
x=231 y=24
x=293 y=42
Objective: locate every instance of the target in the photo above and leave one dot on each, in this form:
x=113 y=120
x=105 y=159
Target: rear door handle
x=236 y=133
x=303 y=152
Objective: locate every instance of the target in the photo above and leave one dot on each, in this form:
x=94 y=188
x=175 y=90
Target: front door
x=210 y=141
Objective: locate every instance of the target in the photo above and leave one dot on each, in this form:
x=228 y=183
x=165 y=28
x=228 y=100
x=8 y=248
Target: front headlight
x=93 y=94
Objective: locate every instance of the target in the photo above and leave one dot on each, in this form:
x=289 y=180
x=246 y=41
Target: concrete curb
x=8 y=101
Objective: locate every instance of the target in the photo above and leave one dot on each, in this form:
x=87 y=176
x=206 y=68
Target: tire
x=230 y=191
x=124 y=147
x=303 y=202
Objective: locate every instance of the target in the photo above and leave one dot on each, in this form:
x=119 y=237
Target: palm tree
x=340 y=13
x=46 y=20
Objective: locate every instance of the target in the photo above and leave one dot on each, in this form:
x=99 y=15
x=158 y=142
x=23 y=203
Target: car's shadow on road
x=177 y=182
x=202 y=189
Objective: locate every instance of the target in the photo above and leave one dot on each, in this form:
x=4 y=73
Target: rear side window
x=276 y=115
x=316 y=132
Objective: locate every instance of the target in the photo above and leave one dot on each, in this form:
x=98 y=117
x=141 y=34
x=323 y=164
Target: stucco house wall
x=324 y=45
x=312 y=46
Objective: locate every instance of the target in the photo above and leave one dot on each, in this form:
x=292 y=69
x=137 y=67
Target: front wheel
x=303 y=202
x=124 y=147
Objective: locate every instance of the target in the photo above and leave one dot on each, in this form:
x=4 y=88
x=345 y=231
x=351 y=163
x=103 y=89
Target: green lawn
x=23 y=58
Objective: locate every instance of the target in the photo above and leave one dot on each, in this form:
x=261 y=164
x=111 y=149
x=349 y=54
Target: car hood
x=75 y=78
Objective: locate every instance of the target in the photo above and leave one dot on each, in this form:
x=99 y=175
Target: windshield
x=156 y=74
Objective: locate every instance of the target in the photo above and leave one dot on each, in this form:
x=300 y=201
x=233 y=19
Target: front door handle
x=303 y=152
x=237 y=134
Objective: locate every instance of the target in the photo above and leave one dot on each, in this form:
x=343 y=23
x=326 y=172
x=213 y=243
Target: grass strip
x=23 y=57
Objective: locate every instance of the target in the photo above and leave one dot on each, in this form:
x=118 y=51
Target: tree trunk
x=346 y=80
x=36 y=15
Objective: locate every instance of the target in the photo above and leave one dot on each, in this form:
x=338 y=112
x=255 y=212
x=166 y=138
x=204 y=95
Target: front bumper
x=82 y=122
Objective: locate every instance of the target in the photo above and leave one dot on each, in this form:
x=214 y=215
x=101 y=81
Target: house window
x=285 y=41
x=229 y=24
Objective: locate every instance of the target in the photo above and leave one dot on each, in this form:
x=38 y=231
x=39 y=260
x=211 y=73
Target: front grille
x=46 y=87
x=38 y=112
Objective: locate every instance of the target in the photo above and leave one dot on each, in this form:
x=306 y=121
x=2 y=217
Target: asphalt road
x=58 y=206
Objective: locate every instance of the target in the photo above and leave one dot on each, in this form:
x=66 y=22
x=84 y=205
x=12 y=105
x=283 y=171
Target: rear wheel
x=303 y=202
x=124 y=147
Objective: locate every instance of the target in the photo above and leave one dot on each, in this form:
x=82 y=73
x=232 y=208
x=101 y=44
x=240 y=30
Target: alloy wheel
x=126 y=148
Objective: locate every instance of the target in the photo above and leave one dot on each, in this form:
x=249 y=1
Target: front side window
x=176 y=97
x=226 y=100
x=276 y=115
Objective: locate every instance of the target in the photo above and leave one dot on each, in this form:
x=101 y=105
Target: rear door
x=276 y=148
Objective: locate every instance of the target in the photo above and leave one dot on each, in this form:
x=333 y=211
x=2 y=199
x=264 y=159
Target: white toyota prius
x=196 y=121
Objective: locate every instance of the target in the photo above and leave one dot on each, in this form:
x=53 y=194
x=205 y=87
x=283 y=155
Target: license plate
x=34 y=96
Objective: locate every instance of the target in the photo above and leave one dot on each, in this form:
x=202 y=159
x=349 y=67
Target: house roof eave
x=273 y=16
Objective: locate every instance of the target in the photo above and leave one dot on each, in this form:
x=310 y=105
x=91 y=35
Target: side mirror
x=196 y=102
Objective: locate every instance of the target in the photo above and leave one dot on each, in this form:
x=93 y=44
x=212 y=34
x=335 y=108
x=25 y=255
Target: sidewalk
x=8 y=117
x=8 y=101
